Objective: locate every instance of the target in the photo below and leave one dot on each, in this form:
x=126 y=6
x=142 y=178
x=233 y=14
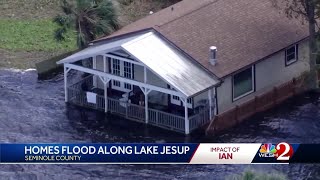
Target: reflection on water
x=33 y=111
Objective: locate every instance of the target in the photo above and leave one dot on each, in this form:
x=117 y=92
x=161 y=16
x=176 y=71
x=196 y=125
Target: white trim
x=130 y=81
x=252 y=84
x=186 y=116
x=122 y=85
x=287 y=63
x=78 y=58
x=94 y=66
x=105 y=87
x=146 y=101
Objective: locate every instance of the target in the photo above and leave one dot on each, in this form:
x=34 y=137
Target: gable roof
x=159 y=57
x=244 y=31
x=169 y=64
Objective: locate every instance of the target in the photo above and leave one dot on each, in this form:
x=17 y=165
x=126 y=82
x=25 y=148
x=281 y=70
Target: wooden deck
x=160 y=116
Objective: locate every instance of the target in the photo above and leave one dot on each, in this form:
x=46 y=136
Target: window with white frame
x=177 y=101
x=116 y=70
x=190 y=102
x=243 y=83
x=291 y=54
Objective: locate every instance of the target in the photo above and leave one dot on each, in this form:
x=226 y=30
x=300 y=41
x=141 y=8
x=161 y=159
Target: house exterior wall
x=268 y=73
x=153 y=79
x=197 y=100
x=99 y=60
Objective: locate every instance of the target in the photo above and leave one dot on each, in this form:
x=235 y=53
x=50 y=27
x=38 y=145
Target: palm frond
x=90 y=18
x=81 y=40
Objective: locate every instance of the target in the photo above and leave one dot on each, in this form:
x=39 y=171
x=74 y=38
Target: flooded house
x=193 y=63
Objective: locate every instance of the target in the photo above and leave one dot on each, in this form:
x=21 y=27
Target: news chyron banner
x=180 y=153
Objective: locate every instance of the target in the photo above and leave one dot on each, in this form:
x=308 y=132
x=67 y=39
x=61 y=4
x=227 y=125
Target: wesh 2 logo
x=282 y=151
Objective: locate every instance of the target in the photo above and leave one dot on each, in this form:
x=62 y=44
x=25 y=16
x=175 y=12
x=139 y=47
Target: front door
x=123 y=69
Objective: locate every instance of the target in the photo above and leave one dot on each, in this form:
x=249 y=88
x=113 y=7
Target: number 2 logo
x=285 y=151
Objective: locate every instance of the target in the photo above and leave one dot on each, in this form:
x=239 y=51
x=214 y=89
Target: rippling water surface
x=33 y=111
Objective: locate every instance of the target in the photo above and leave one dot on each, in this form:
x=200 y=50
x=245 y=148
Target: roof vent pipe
x=213 y=55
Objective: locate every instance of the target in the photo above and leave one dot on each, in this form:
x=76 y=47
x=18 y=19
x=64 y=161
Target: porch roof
x=159 y=57
x=96 y=49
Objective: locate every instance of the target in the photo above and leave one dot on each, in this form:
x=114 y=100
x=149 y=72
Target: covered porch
x=126 y=63
x=164 y=117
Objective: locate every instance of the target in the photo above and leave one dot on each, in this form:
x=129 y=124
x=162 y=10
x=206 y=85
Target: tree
x=310 y=11
x=89 y=18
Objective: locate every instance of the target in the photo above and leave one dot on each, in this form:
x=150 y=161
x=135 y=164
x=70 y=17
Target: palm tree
x=90 y=19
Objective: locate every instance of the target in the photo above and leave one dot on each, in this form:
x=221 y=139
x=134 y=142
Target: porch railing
x=166 y=120
x=135 y=112
x=200 y=119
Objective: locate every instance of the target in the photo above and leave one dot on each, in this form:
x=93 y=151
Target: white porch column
x=146 y=98
x=105 y=84
x=94 y=66
x=210 y=102
x=105 y=97
x=146 y=107
x=65 y=73
x=186 y=118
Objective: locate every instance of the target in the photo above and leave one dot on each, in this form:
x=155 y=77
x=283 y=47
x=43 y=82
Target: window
x=123 y=69
x=116 y=71
x=177 y=101
x=127 y=74
x=243 y=83
x=190 y=103
x=291 y=54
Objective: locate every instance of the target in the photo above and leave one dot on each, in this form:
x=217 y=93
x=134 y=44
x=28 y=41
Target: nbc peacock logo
x=268 y=150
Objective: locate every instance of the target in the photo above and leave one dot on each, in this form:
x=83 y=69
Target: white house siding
x=197 y=100
x=269 y=73
x=100 y=68
x=153 y=79
x=154 y=97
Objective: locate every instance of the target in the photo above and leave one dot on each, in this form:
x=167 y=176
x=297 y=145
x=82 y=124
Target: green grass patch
x=33 y=35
